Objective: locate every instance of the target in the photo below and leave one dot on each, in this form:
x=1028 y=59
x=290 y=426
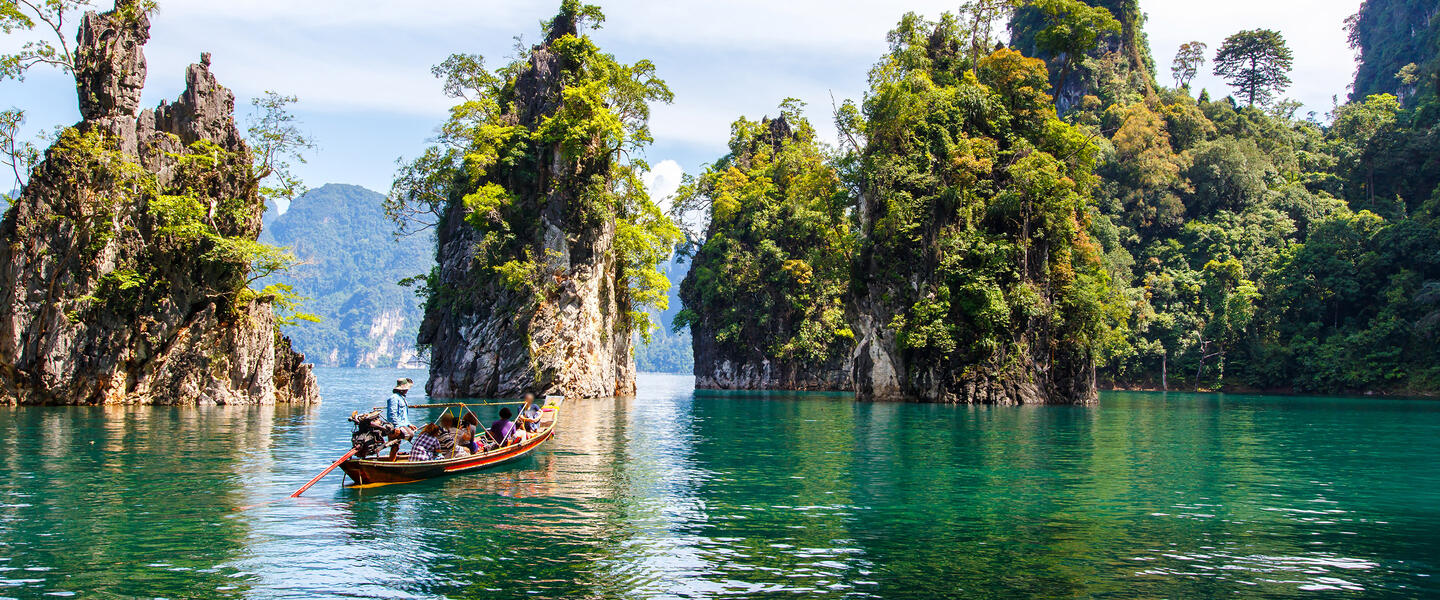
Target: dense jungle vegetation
x=776 y=261
x=545 y=148
x=1220 y=241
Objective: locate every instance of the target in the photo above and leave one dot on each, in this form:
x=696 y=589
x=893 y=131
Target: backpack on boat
x=371 y=432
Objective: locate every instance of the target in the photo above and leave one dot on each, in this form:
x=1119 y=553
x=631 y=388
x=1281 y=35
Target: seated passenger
x=504 y=430
x=530 y=414
x=449 y=437
x=425 y=445
x=467 y=438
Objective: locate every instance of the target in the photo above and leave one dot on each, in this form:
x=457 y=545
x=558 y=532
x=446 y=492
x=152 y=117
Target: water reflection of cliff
x=682 y=495
x=129 y=501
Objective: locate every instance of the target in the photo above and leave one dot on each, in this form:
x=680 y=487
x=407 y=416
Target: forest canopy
x=1182 y=240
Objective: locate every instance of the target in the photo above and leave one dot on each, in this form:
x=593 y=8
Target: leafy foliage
x=582 y=131
x=1299 y=254
x=770 y=275
x=975 y=231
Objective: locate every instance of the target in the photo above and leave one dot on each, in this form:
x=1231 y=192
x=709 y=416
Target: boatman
x=397 y=412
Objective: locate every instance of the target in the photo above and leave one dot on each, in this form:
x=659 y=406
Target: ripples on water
x=685 y=495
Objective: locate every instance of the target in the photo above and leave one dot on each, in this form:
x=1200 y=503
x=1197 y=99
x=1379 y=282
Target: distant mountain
x=668 y=352
x=351 y=263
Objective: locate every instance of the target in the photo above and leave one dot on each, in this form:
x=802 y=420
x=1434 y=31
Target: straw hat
x=404 y=384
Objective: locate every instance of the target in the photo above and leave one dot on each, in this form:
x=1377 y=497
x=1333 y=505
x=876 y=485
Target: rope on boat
x=454 y=404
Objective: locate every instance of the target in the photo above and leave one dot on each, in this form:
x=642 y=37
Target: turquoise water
x=676 y=494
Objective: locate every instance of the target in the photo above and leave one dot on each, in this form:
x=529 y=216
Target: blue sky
x=361 y=67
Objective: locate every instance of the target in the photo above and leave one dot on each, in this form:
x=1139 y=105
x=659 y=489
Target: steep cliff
x=127 y=257
x=1390 y=35
x=764 y=298
x=976 y=281
x=350 y=263
x=547 y=242
x=1119 y=69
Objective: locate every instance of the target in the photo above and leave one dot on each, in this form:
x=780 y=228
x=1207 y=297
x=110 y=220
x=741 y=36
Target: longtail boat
x=381 y=470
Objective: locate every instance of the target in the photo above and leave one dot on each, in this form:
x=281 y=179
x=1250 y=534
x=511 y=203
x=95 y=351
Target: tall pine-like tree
x=1256 y=63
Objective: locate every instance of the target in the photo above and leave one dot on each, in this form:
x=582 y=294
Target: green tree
x=1256 y=63
x=278 y=143
x=1188 y=61
x=1072 y=29
x=770 y=278
x=513 y=149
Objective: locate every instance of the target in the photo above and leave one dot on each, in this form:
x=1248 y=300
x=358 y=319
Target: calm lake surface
x=678 y=494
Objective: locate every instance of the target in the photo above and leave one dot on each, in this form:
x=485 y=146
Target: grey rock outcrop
x=570 y=336
x=715 y=370
x=100 y=305
x=883 y=370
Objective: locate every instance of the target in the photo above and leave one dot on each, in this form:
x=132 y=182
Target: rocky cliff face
x=716 y=370
x=561 y=330
x=122 y=282
x=1119 y=65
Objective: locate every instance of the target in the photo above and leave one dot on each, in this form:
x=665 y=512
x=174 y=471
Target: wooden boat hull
x=382 y=471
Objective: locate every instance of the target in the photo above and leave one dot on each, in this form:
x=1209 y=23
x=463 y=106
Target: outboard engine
x=371 y=433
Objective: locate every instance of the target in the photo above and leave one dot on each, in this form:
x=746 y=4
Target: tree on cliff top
x=1256 y=63
x=769 y=278
x=1072 y=29
x=490 y=156
x=975 y=253
x=1188 y=61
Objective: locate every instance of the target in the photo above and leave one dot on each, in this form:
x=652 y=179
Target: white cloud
x=365 y=63
x=662 y=180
